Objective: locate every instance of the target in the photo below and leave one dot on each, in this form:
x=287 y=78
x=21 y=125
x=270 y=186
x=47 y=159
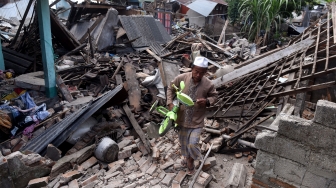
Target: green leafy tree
x=260 y=15
x=233 y=11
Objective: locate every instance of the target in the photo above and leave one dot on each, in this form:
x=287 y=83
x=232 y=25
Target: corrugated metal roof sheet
x=15 y=9
x=203 y=7
x=187 y=2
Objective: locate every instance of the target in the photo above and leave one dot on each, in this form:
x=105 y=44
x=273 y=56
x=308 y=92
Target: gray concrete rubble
x=300 y=154
x=94 y=121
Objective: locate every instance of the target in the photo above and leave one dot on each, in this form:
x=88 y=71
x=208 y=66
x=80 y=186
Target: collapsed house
x=97 y=131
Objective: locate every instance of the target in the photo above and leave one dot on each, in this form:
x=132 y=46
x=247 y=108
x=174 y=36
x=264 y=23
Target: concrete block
x=282 y=146
x=310 y=133
x=38 y=182
x=89 y=163
x=322 y=172
x=322 y=160
x=325 y=113
x=289 y=170
x=265 y=163
x=4 y=180
x=312 y=180
x=237 y=176
x=89 y=180
x=31 y=81
x=53 y=152
x=168 y=179
x=22 y=174
x=279 y=182
x=332 y=184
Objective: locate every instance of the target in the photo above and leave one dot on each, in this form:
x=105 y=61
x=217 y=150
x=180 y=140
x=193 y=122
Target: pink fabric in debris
x=28 y=131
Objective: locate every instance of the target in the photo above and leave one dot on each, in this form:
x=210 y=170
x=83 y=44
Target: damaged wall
x=302 y=152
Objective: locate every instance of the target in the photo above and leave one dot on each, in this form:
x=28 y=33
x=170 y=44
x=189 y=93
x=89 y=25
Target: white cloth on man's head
x=201 y=62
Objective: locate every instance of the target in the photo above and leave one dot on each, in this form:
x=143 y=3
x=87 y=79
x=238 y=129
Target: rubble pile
x=111 y=67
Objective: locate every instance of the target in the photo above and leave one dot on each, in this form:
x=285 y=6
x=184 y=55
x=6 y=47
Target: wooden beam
x=154 y=55
x=262 y=62
x=98 y=20
x=221 y=39
x=137 y=127
x=134 y=93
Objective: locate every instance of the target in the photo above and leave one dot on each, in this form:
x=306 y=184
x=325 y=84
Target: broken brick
x=167 y=164
x=179 y=177
x=137 y=156
x=74 y=174
x=151 y=169
x=89 y=163
x=203 y=180
x=89 y=180
x=38 y=182
x=145 y=166
x=168 y=179
x=73 y=184
x=124 y=154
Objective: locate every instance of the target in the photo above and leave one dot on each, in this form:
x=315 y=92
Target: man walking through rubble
x=191 y=119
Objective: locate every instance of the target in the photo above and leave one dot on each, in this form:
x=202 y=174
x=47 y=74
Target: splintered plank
x=137 y=127
x=168 y=72
x=134 y=94
x=64 y=90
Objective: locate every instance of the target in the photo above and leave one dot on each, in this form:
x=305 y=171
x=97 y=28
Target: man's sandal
x=184 y=163
x=191 y=172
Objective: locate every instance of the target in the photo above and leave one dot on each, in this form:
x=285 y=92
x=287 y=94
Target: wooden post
x=2 y=61
x=43 y=13
x=222 y=36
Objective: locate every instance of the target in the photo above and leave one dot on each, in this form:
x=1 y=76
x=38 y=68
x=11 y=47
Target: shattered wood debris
x=108 y=76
